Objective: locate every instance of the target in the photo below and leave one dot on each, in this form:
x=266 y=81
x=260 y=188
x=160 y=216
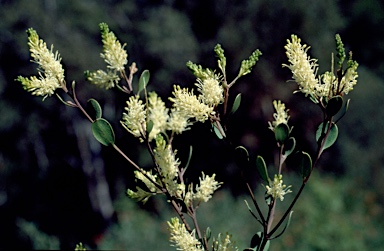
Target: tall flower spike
x=113 y=53
x=51 y=72
x=303 y=68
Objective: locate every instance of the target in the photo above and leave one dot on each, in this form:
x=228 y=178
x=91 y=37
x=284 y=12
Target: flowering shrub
x=148 y=119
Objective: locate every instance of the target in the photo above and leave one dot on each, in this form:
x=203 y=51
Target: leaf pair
x=101 y=128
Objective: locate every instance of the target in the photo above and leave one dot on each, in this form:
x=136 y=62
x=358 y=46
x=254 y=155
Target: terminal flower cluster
x=304 y=70
x=277 y=189
x=187 y=108
x=114 y=55
x=203 y=192
x=51 y=72
x=281 y=115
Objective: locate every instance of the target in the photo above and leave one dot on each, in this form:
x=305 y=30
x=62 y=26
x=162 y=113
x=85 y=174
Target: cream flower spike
x=113 y=52
x=304 y=69
x=51 y=72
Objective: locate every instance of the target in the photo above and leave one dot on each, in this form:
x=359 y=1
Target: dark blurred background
x=58 y=186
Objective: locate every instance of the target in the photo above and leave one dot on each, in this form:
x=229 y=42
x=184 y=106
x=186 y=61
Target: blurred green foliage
x=39 y=240
x=48 y=172
x=332 y=214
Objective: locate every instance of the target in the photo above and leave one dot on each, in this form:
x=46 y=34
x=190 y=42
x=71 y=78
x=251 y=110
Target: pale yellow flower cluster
x=331 y=86
x=225 y=244
x=178 y=122
x=147 y=181
x=208 y=185
x=134 y=120
x=140 y=194
x=103 y=79
x=212 y=92
x=186 y=109
x=113 y=52
x=204 y=191
x=114 y=55
x=167 y=161
x=180 y=237
x=281 y=115
x=277 y=189
x=188 y=105
x=304 y=69
x=169 y=171
x=51 y=72
x=158 y=114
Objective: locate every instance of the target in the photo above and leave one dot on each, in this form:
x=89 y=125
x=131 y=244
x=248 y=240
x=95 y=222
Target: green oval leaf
x=262 y=168
x=303 y=163
x=289 y=146
x=236 y=103
x=149 y=126
x=334 y=105
x=241 y=156
x=143 y=81
x=218 y=131
x=94 y=109
x=208 y=233
x=332 y=136
x=257 y=240
x=344 y=111
x=103 y=132
x=281 y=132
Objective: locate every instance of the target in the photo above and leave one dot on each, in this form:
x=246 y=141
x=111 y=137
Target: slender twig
x=194 y=219
x=226 y=96
x=271 y=213
x=305 y=180
x=181 y=215
x=254 y=201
